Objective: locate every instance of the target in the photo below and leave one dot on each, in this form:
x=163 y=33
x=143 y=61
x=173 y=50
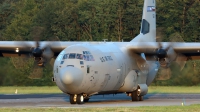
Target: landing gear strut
x=135 y=96
x=79 y=99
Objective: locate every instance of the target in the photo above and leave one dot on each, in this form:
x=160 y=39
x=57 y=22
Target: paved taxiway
x=119 y=100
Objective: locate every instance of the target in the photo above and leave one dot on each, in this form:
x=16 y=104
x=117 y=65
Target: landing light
x=17 y=50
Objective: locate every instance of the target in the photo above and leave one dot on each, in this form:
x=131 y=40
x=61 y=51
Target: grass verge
x=174 y=89
x=54 y=89
x=191 y=108
x=30 y=90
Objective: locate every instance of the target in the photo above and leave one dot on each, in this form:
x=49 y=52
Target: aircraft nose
x=71 y=76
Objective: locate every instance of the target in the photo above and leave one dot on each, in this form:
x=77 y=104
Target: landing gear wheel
x=134 y=96
x=140 y=98
x=72 y=99
x=86 y=99
x=80 y=99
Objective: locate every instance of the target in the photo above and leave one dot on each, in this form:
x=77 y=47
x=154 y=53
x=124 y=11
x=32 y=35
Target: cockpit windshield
x=72 y=55
x=87 y=56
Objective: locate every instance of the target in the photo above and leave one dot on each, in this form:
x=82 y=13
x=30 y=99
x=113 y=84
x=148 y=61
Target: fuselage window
x=61 y=62
x=86 y=52
x=72 y=55
x=84 y=57
x=79 y=56
x=87 y=56
x=81 y=62
x=91 y=58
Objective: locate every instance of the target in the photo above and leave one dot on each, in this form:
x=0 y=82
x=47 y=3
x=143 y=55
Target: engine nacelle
x=171 y=56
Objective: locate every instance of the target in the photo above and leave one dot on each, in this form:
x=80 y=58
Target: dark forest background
x=92 y=20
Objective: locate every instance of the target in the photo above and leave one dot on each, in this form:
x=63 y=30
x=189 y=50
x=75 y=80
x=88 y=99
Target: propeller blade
x=160 y=45
x=47 y=53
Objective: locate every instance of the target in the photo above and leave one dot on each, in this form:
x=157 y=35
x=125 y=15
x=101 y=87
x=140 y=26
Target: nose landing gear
x=79 y=99
x=72 y=99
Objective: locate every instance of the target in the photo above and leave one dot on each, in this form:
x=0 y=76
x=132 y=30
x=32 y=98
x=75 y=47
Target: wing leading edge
x=24 y=48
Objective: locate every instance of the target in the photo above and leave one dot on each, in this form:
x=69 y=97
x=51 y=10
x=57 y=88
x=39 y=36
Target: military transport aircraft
x=83 y=69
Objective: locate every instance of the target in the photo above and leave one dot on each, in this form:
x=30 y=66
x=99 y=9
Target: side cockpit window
x=79 y=56
x=87 y=56
x=66 y=56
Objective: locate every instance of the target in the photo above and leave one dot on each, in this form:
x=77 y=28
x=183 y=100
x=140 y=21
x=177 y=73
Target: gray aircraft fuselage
x=95 y=68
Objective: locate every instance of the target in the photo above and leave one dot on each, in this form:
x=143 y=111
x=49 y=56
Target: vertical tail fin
x=148 y=25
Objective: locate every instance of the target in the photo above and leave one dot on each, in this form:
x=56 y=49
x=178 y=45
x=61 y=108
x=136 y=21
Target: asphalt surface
x=119 y=100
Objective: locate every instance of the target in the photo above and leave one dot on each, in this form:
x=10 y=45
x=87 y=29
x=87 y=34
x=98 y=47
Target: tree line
x=91 y=20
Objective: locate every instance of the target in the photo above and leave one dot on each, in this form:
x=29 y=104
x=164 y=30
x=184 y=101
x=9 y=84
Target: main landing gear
x=79 y=99
x=135 y=96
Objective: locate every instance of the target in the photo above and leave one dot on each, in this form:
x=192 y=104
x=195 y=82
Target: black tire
x=134 y=96
x=80 y=99
x=86 y=99
x=71 y=99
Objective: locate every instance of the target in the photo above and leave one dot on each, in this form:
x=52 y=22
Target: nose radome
x=71 y=75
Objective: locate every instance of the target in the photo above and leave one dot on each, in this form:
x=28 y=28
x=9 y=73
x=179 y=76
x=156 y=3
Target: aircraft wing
x=24 y=48
x=190 y=50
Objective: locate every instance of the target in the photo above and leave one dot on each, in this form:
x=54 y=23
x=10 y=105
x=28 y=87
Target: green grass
x=30 y=90
x=191 y=108
x=174 y=89
x=54 y=89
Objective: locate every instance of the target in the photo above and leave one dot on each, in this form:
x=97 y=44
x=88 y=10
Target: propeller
x=170 y=56
x=42 y=55
x=162 y=52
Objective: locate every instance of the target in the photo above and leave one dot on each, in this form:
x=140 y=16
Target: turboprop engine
x=166 y=56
